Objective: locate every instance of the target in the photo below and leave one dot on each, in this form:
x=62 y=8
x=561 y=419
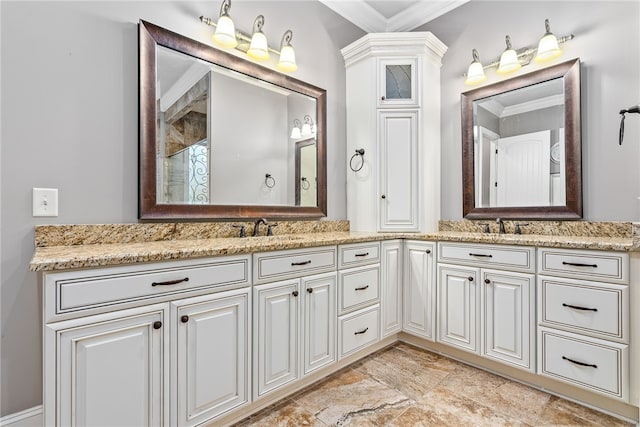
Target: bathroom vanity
x=212 y=334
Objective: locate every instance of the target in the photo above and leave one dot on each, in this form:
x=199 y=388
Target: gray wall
x=608 y=44
x=70 y=121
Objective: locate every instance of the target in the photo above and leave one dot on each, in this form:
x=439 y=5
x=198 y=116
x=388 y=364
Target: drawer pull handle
x=579 y=264
x=301 y=263
x=579 y=308
x=579 y=363
x=361 y=332
x=294 y=293
x=481 y=255
x=157 y=324
x=364 y=254
x=362 y=288
x=310 y=290
x=184 y=319
x=170 y=282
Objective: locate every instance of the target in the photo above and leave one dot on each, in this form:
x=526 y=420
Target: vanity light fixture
x=225 y=34
x=254 y=45
x=295 y=132
x=512 y=60
x=475 y=74
x=509 y=59
x=548 y=46
x=259 y=49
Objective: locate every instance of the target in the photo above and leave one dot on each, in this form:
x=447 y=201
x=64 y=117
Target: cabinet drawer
x=495 y=256
x=358 y=330
x=358 y=254
x=591 y=265
x=270 y=266
x=358 y=287
x=591 y=308
x=596 y=365
x=90 y=289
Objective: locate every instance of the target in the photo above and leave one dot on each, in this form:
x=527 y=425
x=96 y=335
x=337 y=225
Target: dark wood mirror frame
x=150 y=37
x=570 y=73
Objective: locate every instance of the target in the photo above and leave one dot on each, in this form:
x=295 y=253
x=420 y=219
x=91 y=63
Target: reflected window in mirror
x=521 y=146
x=214 y=125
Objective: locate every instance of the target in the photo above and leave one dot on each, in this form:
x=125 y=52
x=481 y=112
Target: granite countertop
x=63 y=257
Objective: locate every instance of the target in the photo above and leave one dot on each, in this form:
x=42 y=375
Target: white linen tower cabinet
x=393 y=113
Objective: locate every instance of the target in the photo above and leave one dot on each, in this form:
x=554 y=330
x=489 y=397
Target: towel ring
x=269 y=181
x=305 y=183
x=359 y=152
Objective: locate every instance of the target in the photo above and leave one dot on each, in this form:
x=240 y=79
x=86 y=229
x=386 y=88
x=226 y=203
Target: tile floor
x=406 y=386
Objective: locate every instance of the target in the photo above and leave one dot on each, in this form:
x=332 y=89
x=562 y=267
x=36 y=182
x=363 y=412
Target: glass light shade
x=287 y=60
x=225 y=34
x=547 y=49
x=475 y=74
x=259 y=49
x=306 y=129
x=295 y=133
x=508 y=62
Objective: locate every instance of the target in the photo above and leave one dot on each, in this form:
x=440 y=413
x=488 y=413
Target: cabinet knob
x=428 y=251
x=487 y=281
x=294 y=293
x=184 y=319
x=157 y=324
x=470 y=278
x=310 y=290
x=383 y=196
x=383 y=98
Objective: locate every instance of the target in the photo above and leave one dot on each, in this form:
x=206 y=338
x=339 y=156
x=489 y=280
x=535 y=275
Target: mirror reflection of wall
x=306 y=161
x=514 y=133
x=220 y=132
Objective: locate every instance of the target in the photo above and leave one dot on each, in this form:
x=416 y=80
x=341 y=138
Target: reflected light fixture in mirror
x=546 y=50
x=296 y=132
x=254 y=45
x=307 y=127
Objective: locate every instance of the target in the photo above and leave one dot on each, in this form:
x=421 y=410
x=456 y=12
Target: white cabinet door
x=398 y=161
x=319 y=321
x=276 y=329
x=419 y=289
x=458 y=293
x=397 y=83
x=212 y=355
x=110 y=369
x=508 y=317
x=391 y=287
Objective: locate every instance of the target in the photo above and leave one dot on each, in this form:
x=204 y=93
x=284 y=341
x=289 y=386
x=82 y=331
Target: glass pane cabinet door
x=397 y=82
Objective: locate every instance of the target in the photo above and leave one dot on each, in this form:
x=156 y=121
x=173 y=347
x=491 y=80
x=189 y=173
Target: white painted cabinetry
x=118 y=349
x=419 y=288
x=393 y=113
x=358 y=297
x=484 y=309
x=583 y=319
x=294 y=319
x=391 y=284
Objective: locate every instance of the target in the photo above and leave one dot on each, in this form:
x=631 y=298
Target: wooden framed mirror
x=215 y=134
x=521 y=146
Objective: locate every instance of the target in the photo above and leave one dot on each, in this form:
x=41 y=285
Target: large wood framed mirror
x=521 y=146
x=216 y=135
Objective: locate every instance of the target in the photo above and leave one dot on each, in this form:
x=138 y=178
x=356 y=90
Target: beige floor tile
x=288 y=414
x=561 y=412
x=443 y=407
x=350 y=395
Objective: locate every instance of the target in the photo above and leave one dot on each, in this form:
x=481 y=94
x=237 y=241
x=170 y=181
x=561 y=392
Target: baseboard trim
x=31 y=417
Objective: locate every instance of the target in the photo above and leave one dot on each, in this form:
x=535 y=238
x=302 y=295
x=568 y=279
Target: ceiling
x=377 y=16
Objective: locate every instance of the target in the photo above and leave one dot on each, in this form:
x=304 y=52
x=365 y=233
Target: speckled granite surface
x=68 y=247
x=546 y=228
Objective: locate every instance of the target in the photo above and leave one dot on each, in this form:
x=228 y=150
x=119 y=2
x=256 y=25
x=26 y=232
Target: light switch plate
x=45 y=202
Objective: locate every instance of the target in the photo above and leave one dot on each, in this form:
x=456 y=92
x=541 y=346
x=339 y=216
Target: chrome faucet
x=256 y=226
x=500 y=225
